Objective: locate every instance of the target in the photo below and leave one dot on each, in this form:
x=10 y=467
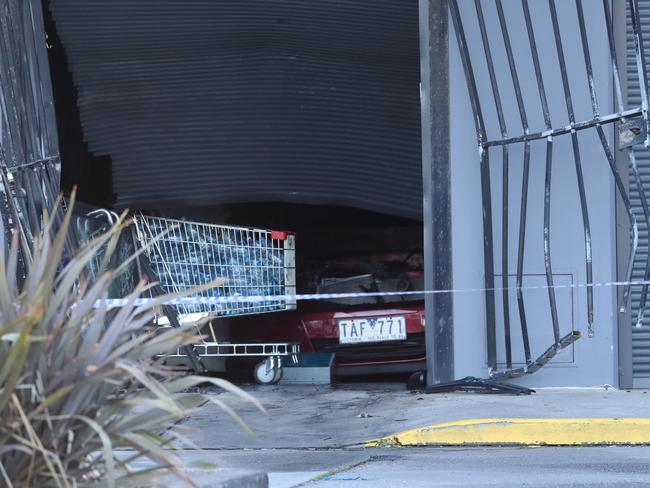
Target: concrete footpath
x=316 y=436
x=352 y=415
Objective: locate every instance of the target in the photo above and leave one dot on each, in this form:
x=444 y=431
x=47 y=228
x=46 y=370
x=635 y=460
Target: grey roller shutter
x=640 y=335
x=202 y=102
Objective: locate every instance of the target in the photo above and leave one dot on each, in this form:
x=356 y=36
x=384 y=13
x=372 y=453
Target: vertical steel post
x=525 y=180
x=505 y=184
x=616 y=24
x=578 y=166
x=486 y=187
x=436 y=187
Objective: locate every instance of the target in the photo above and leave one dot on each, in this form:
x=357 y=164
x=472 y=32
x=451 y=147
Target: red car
x=386 y=338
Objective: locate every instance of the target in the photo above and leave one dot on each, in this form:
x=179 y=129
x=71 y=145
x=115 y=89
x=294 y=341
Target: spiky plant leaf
x=78 y=380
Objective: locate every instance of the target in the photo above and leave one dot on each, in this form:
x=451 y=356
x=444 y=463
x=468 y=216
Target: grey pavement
x=313 y=437
x=351 y=414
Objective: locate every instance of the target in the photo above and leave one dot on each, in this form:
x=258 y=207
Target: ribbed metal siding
x=640 y=336
x=215 y=101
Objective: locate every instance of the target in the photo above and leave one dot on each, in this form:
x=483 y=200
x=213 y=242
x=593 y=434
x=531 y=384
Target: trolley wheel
x=266 y=373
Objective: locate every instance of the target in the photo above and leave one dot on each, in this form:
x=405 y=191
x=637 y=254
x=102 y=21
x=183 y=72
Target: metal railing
x=29 y=154
x=632 y=124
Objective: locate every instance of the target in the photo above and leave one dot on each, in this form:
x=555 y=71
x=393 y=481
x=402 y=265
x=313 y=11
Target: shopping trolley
x=182 y=255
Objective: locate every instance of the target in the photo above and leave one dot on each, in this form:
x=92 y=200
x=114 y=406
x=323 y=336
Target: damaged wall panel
x=201 y=102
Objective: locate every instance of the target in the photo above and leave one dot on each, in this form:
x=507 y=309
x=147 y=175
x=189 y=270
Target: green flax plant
x=83 y=391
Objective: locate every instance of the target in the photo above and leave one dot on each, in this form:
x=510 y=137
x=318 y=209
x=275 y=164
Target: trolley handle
x=170 y=312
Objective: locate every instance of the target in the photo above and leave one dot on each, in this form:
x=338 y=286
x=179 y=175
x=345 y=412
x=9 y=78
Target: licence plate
x=373 y=329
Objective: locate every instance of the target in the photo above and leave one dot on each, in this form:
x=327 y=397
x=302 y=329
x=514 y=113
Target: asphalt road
x=447 y=467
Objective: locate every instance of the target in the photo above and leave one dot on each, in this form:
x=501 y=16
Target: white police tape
x=199 y=300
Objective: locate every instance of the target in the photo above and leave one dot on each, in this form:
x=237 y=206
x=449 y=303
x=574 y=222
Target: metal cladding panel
x=205 y=102
x=640 y=335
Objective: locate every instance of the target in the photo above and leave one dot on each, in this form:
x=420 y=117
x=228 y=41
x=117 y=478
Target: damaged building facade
x=306 y=116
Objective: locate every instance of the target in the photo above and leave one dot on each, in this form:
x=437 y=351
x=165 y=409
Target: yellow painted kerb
x=530 y=432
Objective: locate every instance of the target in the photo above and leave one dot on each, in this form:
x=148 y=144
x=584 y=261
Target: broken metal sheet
x=631 y=133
